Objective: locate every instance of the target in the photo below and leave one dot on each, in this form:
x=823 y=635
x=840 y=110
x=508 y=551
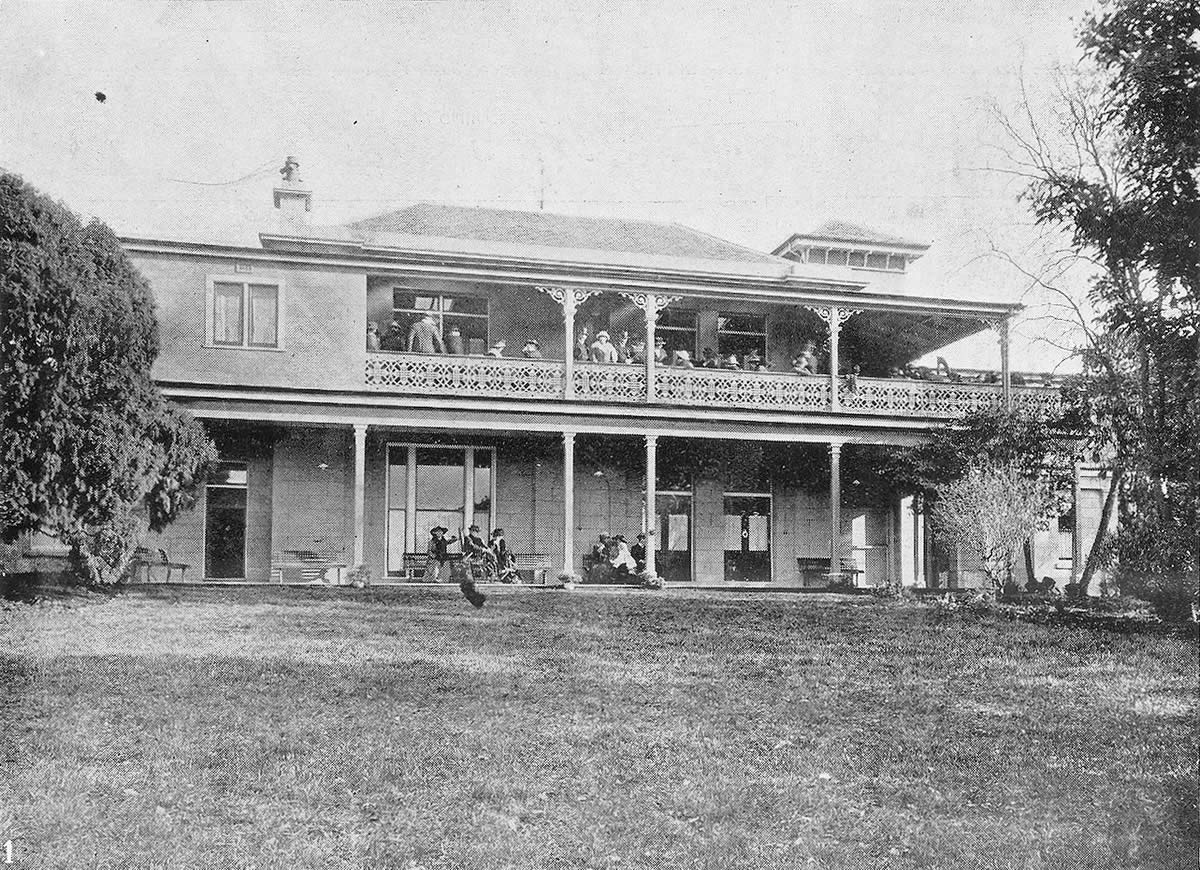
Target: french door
x=748 y=537
x=433 y=485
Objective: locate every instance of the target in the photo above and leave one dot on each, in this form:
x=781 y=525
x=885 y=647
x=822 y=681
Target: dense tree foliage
x=88 y=447
x=1120 y=176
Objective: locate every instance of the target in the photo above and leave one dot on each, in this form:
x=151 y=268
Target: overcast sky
x=746 y=120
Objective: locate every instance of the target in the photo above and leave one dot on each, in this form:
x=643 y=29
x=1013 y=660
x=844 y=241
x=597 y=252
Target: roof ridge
x=724 y=240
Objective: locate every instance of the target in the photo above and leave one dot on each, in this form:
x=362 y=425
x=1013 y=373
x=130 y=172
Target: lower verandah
x=727 y=511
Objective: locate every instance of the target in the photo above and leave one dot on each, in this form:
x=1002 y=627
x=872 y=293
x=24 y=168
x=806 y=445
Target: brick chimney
x=292 y=199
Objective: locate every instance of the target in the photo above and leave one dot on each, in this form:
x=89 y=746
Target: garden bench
x=814 y=571
x=145 y=559
x=306 y=565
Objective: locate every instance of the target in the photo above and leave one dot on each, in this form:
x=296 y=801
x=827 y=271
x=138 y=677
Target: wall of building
x=323 y=325
x=313 y=505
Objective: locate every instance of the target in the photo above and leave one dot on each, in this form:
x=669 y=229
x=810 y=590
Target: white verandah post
x=568 y=503
x=835 y=508
x=651 y=502
x=360 y=489
x=1005 y=371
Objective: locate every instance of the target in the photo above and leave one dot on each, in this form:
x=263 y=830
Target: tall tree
x=1120 y=177
x=88 y=446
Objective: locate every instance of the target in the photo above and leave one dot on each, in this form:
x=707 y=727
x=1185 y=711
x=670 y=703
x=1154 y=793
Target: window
x=243 y=313
x=739 y=334
x=468 y=313
x=678 y=330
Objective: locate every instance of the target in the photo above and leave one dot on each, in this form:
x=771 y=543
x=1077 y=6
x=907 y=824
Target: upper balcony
x=718 y=351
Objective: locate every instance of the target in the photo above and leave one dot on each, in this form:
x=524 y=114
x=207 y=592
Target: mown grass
x=405 y=729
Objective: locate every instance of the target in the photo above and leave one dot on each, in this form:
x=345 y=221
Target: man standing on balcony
x=603 y=350
x=424 y=337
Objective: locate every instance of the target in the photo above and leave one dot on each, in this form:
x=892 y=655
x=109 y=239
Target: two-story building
x=440 y=365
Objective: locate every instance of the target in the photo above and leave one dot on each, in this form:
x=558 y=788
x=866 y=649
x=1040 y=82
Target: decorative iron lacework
x=773 y=391
x=543 y=379
x=606 y=381
x=467 y=376
x=1041 y=400
x=919 y=398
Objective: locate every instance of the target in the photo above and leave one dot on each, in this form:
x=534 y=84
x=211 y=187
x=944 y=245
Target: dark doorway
x=225 y=522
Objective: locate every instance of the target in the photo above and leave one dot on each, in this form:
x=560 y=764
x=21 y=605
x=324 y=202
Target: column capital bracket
x=833 y=316
x=566 y=296
x=647 y=300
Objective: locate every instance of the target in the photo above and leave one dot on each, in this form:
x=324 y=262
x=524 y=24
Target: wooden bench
x=532 y=567
x=814 y=571
x=305 y=566
x=145 y=559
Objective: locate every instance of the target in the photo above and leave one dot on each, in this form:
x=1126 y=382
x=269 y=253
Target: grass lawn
x=401 y=728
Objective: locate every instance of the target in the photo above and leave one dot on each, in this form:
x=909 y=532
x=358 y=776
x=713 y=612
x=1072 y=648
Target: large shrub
x=89 y=449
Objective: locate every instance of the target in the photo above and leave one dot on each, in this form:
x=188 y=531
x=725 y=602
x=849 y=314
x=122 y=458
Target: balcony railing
x=473 y=376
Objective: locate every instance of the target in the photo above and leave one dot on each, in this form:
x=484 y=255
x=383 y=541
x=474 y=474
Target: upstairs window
x=468 y=313
x=678 y=330
x=740 y=334
x=243 y=313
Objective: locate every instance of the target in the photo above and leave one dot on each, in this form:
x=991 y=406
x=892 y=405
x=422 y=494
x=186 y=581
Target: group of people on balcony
x=424 y=337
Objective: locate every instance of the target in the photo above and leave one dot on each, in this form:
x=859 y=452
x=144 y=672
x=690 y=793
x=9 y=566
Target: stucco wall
x=323 y=326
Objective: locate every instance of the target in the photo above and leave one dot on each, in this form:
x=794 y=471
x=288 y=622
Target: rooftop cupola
x=292 y=198
x=841 y=243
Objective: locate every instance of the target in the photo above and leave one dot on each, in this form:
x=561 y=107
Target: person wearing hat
x=683 y=360
x=438 y=554
x=603 y=350
x=372 y=335
x=454 y=342
x=424 y=337
x=754 y=362
x=660 y=351
x=506 y=562
x=637 y=352
x=531 y=350
x=638 y=551
x=731 y=362
x=582 y=344
x=393 y=339
x=710 y=359
x=497 y=348
x=620 y=560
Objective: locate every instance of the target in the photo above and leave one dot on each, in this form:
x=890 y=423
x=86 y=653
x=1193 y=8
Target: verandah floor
x=401 y=728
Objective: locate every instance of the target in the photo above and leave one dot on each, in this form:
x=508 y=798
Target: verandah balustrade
x=493 y=377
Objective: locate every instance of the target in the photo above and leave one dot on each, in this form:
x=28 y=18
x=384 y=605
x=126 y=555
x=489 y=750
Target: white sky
x=747 y=120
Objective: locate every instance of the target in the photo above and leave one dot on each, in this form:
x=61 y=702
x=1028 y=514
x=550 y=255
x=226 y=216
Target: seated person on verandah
x=478 y=556
x=620 y=559
x=506 y=562
x=597 y=567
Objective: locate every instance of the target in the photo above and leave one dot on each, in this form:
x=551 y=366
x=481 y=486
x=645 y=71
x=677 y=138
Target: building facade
x=444 y=366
